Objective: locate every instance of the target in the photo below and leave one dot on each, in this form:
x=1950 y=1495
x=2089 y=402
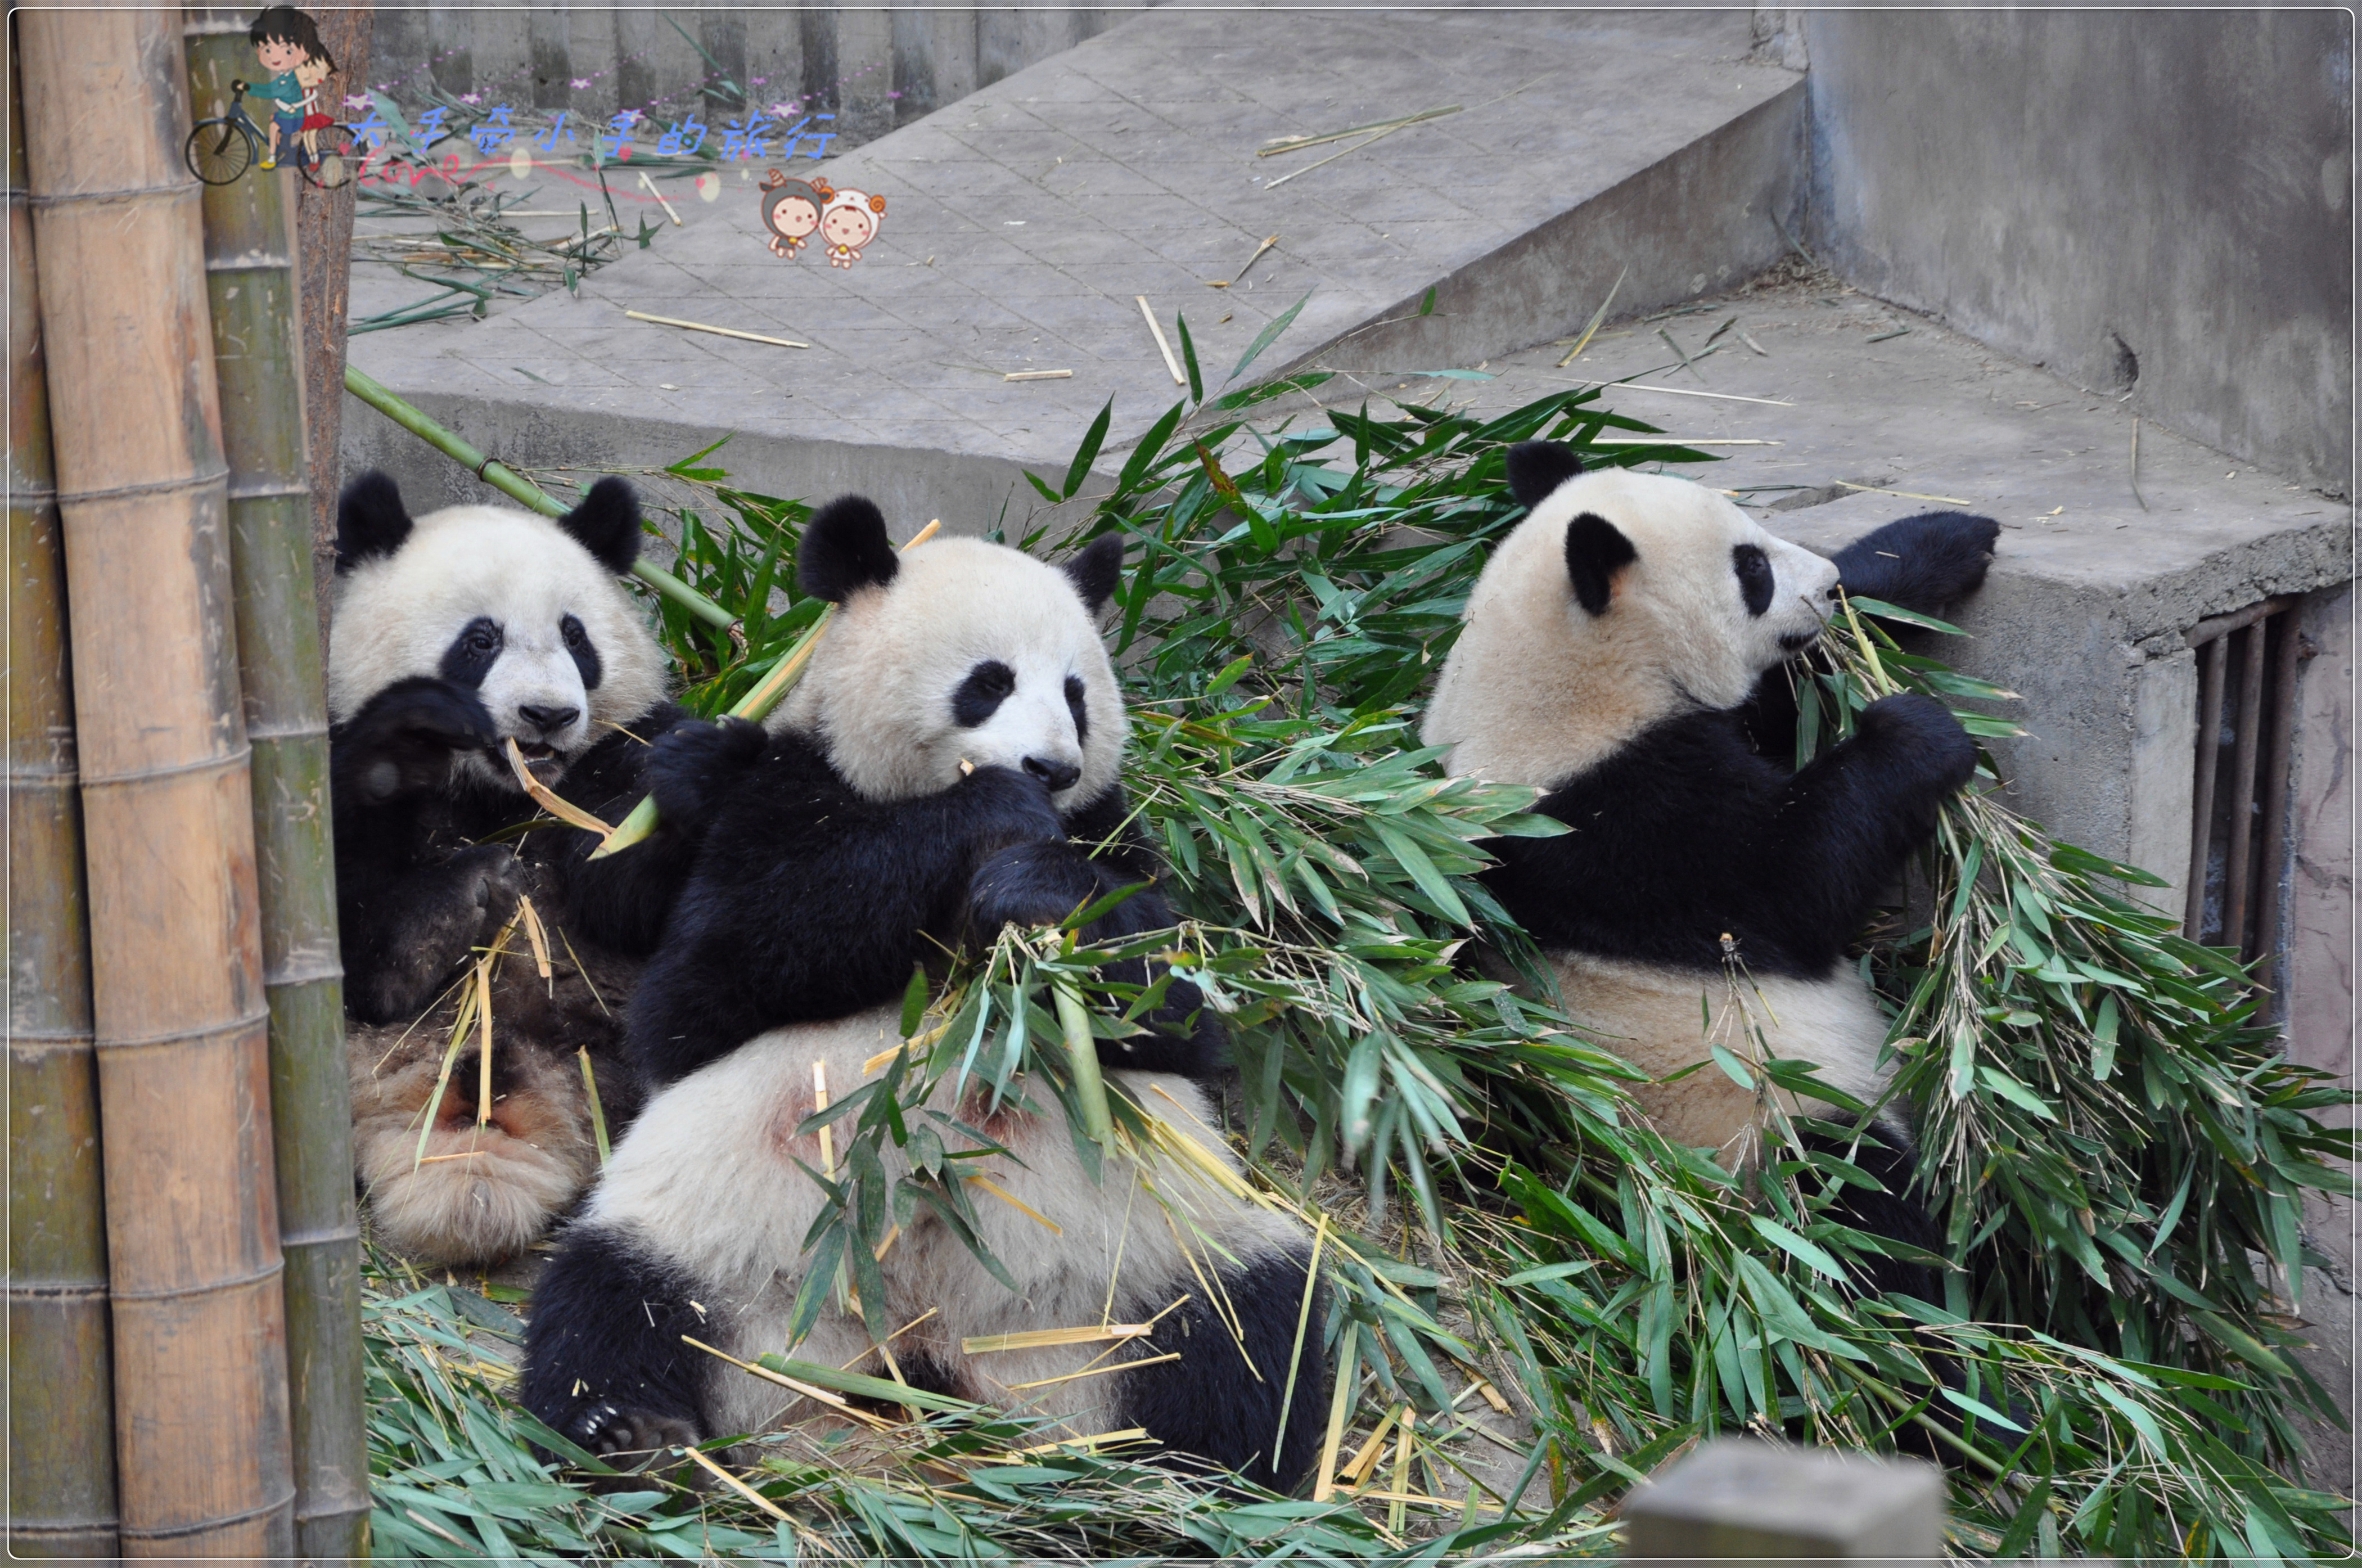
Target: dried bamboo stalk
x=179 y=1012
x=251 y=282
x=61 y=1403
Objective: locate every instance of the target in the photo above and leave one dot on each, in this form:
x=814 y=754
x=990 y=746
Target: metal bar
x=2210 y=750
x=2282 y=704
x=2217 y=626
x=2243 y=787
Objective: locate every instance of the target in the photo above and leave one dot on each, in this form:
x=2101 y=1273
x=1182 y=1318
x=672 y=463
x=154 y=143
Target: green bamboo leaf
x=1080 y=469
x=1422 y=871
x=1811 y=1254
x=1264 y=339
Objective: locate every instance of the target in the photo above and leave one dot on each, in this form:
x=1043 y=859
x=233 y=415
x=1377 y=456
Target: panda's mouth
x=536 y=751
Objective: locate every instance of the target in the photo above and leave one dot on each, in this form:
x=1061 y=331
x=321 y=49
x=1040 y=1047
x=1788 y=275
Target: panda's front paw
x=1921 y=732
x=1926 y=563
x=490 y=879
x=1028 y=885
x=609 y=1430
x=1000 y=806
x=403 y=742
x=692 y=763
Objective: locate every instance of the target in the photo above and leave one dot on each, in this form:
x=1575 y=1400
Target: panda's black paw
x=490 y=879
x=1926 y=563
x=691 y=765
x=609 y=1430
x=1028 y=885
x=999 y=806
x=403 y=742
x=1921 y=733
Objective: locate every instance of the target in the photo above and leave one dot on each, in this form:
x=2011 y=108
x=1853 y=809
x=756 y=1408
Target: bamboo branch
x=515 y=486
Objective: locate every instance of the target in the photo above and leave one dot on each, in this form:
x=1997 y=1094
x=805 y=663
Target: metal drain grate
x=2238 y=841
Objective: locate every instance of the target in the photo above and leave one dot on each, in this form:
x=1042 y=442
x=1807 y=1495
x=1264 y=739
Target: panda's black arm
x=1926 y=563
x=624 y=899
x=808 y=903
x=1686 y=836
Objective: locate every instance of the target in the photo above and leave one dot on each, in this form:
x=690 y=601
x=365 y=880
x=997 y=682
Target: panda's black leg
x=604 y=1362
x=401 y=939
x=1209 y=1403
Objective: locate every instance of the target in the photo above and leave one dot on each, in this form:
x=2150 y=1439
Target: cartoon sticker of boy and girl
x=295 y=63
x=794 y=210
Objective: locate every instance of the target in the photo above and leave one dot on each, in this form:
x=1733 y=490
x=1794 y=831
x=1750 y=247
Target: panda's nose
x=1056 y=775
x=549 y=721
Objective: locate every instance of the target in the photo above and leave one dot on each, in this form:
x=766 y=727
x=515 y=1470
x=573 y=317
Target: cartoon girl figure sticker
x=791 y=211
x=848 y=221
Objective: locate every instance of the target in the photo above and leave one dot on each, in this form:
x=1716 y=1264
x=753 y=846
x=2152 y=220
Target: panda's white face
x=1690 y=602
x=973 y=653
x=513 y=607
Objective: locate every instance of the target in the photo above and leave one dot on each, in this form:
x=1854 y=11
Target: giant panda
x=1623 y=651
x=948 y=762
x=453 y=632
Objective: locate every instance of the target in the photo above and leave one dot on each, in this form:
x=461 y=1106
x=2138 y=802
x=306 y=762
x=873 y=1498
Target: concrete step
x=1024 y=223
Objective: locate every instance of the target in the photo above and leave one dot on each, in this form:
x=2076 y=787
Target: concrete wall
x=2149 y=202
x=873 y=69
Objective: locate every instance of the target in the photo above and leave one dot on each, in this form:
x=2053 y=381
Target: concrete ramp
x=1024 y=223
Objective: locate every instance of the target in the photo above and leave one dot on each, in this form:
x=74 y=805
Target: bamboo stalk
x=251 y=273
x=179 y=1011
x=323 y=228
x=60 y=1404
x=515 y=486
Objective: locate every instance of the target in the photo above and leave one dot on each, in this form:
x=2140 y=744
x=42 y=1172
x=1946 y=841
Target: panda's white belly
x=1653 y=1018
x=708 y=1179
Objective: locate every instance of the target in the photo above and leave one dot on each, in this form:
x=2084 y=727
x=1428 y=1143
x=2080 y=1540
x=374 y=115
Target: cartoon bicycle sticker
x=225 y=145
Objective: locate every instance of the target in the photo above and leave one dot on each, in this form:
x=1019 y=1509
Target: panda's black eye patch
x=980 y=695
x=585 y=652
x=1754 y=569
x=1074 y=706
x=473 y=653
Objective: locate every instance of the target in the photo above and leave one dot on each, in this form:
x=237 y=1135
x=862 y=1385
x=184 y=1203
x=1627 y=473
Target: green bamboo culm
x=251 y=284
x=514 y=485
x=61 y=1395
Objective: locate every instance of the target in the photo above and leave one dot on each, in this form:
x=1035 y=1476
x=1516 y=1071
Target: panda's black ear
x=607 y=523
x=1094 y=572
x=845 y=549
x=1537 y=468
x=371 y=520
x=1595 y=551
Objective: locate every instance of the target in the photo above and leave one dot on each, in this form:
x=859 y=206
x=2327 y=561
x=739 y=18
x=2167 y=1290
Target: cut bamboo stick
x=251 y=284
x=1163 y=347
x=1046 y=1339
x=717 y=331
x=179 y=1009
x=61 y=1402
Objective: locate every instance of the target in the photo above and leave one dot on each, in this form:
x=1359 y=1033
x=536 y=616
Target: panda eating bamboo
x=457 y=634
x=949 y=763
x=1623 y=651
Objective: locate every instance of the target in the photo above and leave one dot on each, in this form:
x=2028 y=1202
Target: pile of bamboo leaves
x=2112 y=1138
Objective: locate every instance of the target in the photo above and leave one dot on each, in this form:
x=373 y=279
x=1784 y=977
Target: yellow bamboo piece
x=549 y=799
x=827 y=1135
x=1303 y=1321
x=1038 y=376
x=535 y=936
x=1095 y=1371
x=717 y=331
x=1163 y=347
x=1401 y=1470
x=1338 y=1402
x=739 y=1486
x=1016 y=1203
x=808 y=1390
x=1046 y=1339
x=1128 y=1434
x=1367 y=1456
x=484 y=1043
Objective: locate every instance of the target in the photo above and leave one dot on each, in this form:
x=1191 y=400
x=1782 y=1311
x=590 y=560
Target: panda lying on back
x=453 y=632
x=949 y=763
x=1623 y=650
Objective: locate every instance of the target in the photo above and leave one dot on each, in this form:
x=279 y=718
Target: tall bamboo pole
x=251 y=280
x=323 y=230
x=178 y=1006
x=60 y=1402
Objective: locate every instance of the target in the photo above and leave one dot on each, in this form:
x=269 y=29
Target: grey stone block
x=1738 y=1498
